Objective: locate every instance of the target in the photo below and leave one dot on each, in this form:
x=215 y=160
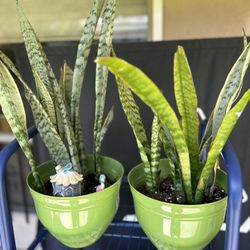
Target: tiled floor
x=24 y=232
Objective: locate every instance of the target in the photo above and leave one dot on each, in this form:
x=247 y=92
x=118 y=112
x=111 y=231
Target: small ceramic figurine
x=102 y=179
x=66 y=181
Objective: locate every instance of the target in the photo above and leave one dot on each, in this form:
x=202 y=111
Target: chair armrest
x=6 y=227
x=233 y=218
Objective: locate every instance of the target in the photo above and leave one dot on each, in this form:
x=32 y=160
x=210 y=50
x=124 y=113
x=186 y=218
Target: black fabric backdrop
x=210 y=61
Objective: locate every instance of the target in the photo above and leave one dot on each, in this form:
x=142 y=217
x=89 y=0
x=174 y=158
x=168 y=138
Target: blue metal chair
x=232 y=218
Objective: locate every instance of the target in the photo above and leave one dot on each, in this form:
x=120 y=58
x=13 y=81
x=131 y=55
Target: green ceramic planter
x=78 y=221
x=172 y=226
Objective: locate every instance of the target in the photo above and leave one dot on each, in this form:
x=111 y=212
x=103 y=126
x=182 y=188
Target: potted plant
x=180 y=202
x=66 y=189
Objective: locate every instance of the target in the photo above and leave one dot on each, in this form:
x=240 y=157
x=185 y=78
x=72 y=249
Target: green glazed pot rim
x=173 y=204
x=91 y=195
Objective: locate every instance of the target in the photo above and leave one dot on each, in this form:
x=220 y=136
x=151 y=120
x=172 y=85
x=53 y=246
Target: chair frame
x=233 y=217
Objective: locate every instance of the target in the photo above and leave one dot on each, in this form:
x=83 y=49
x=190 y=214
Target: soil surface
x=168 y=193
x=90 y=183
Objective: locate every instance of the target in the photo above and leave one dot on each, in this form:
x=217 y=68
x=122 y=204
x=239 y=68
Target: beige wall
x=58 y=19
x=188 y=19
x=182 y=19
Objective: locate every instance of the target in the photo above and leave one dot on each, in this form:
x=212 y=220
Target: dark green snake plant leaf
x=209 y=189
x=40 y=65
x=132 y=112
x=104 y=49
x=224 y=132
x=80 y=145
x=10 y=65
x=70 y=135
x=82 y=58
x=109 y=118
x=46 y=100
x=105 y=126
x=150 y=94
x=170 y=152
x=46 y=128
x=38 y=60
x=186 y=100
x=231 y=89
x=204 y=149
x=47 y=131
x=207 y=136
x=37 y=57
x=66 y=81
x=13 y=109
x=79 y=71
x=155 y=149
x=245 y=42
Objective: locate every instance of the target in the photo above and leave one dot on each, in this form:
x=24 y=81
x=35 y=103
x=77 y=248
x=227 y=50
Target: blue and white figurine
x=102 y=179
x=66 y=181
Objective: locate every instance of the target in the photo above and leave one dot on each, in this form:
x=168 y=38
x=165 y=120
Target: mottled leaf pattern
x=155 y=150
x=13 y=109
x=46 y=100
x=104 y=49
x=231 y=89
x=224 y=131
x=65 y=84
x=47 y=131
x=132 y=112
x=60 y=127
x=83 y=53
x=211 y=180
x=152 y=96
x=80 y=145
x=39 y=62
x=41 y=66
x=78 y=75
x=171 y=154
x=10 y=65
x=204 y=150
x=52 y=136
x=50 y=110
x=37 y=57
x=208 y=131
x=67 y=128
x=109 y=118
x=104 y=129
x=245 y=42
x=82 y=58
x=186 y=100
x=66 y=81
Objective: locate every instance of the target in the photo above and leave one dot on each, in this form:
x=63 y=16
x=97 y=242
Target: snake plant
x=56 y=105
x=191 y=162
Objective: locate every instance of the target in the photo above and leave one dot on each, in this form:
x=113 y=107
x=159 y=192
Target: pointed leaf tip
x=180 y=48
